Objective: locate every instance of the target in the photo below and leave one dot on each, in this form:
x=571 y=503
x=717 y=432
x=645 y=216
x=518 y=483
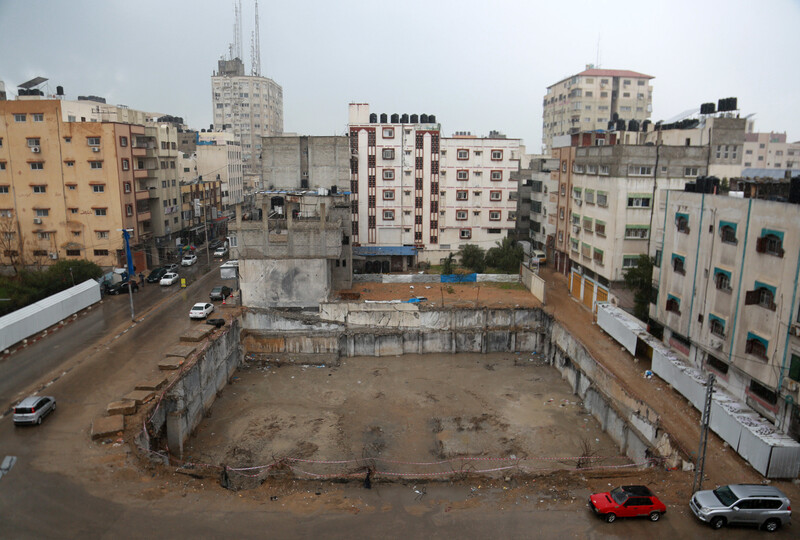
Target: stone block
x=139 y=396
x=107 y=426
x=156 y=383
x=126 y=406
x=170 y=363
x=182 y=351
x=197 y=333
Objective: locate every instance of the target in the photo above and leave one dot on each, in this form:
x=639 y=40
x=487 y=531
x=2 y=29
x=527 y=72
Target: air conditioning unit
x=796 y=329
x=37 y=221
x=790 y=385
x=716 y=344
x=53 y=255
x=35 y=149
x=576 y=229
x=95 y=148
x=578 y=202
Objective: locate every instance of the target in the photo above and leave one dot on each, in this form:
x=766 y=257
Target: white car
x=169 y=278
x=201 y=310
x=188 y=260
x=220 y=252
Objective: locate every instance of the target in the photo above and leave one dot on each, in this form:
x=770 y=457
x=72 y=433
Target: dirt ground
x=449 y=294
x=426 y=411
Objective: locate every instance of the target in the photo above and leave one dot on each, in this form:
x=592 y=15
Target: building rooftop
x=777 y=174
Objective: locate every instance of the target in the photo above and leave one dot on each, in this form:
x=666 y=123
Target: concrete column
x=176 y=422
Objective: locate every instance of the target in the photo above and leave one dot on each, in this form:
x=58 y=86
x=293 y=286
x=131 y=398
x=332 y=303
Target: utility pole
x=131 y=269
x=700 y=465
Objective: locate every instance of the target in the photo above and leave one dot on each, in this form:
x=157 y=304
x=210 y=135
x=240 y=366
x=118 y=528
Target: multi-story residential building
x=770 y=151
x=418 y=195
x=219 y=157
x=614 y=208
x=251 y=107
x=293 y=162
x=727 y=296
x=543 y=207
x=589 y=100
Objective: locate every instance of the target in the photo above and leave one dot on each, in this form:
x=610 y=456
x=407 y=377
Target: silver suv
x=33 y=409
x=755 y=504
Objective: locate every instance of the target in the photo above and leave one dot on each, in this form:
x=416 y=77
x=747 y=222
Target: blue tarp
x=459 y=278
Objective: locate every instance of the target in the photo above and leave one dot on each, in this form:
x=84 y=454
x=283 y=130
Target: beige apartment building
x=770 y=151
x=727 y=280
x=589 y=100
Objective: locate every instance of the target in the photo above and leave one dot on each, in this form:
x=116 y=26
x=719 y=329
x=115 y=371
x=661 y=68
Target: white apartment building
x=589 y=100
x=544 y=206
x=250 y=107
x=417 y=194
x=219 y=157
x=770 y=151
x=728 y=298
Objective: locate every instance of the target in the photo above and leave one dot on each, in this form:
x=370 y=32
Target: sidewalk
x=677 y=416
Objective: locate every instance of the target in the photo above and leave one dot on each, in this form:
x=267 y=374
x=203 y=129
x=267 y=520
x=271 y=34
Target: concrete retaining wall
x=429 y=278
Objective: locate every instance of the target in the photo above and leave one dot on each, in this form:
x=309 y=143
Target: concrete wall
x=533 y=282
x=284 y=282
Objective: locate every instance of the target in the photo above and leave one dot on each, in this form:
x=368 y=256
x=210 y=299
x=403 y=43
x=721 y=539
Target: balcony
x=138 y=151
x=153 y=193
x=140 y=173
x=143 y=216
x=142 y=194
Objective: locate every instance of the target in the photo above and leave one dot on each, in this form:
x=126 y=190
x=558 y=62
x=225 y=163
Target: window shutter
x=761 y=245
x=780 y=252
x=751 y=297
x=748 y=348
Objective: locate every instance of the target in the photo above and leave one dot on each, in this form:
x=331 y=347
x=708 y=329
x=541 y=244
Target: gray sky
x=476 y=65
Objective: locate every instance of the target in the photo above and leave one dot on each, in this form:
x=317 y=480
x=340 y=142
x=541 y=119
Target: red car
x=627 y=501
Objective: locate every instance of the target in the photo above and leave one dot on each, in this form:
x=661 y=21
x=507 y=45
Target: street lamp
x=131 y=270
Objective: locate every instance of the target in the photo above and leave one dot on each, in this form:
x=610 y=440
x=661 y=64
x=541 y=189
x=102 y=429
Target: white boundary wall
x=43 y=314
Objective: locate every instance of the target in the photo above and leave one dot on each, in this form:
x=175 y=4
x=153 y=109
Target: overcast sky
x=476 y=65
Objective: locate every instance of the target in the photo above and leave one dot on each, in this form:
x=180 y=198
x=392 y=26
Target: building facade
x=727 y=296
x=589 y=100
x=770 y=151
x=293 y=162
x=417 y=195
x=248 y=106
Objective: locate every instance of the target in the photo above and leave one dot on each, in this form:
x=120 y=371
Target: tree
x=506 y=256
x=639 y=279
x=472 y=257
x=449 y=262
x=10 y=246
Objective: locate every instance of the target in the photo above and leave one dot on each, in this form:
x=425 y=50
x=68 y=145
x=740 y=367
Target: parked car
x=169 y=278
x=754 y=504
x=172 y=267
x=541 y=255
x=220 y=293
x=220 y=252
x=215 y=244
x=122 y=287
x=33 y=409
x=156 y=274
x=201 y=310
x=627 y=501
x=189 y=260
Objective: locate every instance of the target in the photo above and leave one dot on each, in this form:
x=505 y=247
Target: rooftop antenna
x=237 y=30
x=255 y=49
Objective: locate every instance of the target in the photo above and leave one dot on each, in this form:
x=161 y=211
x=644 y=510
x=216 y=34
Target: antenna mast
x=237 y=30
x=255 y=49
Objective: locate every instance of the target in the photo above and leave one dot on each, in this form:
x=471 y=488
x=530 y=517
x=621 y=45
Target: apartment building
x=219 y=157
x=589 y=100
x=543 y=210
x=770 y=151
x=418 y=196
x=727 y=297
x=250 y=107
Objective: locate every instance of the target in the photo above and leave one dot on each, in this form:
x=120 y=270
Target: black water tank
x=384 y=118
x=620 y=125
x=59 y=90
x=404 y=118
x=395 y=118
x=414 y=119
x=615 y=117
x=373 y=118
x=633 y=125
x=432 y=118
x=702 y=184
x=690 y=187
x=423 y=118
x=645 y=125
x=715 y=183
x=794 y=190
x=334 y=190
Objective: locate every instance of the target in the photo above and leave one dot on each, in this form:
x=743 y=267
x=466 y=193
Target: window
x=38 y=117
x=128 y=210
x=722 y=280
x=101 y=253
x=123 y=141
x=100 y=211
x=465 y=234
x=727 y=232
x=690 y=171
x=763 y=295
x=630 y=261
x=388 y=133
x=39 y=189
x=93 y=141
x=794 y=368
x=43 y=235
x=496 y=176
x=19 y=118
x=2 y=165
x=757 y=346
x=388 y=153
x=461 y=215
x=3 y=189
x=388 y=194
x=42 y=212
x=597 y=256
x=587 y=224
x=639 y=170
x=673 y=304
x=101 y=235
x=604 y=170
x=600 y=227
x=497 y=155
x=388 y=215
x=639 y=202
x=494 y=215
x=98 y=188
x=496 y=196
x=462 y=154
x=388 y=174
x=561 y=213
x=602 y=198
x=96 y=164
x=637 y=232
x=679 y=264
x=33 y=142
x=462 y=195
x=69 y=163
x=462 y=175
x=126 y=164
x=37 y=166
x=770 y=242
x=716 y=326
x=512 y=215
